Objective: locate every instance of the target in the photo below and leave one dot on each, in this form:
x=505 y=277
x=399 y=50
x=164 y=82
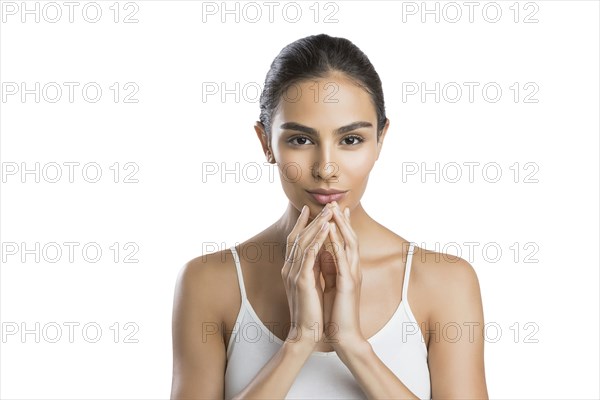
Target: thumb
x=317 y=267
x=328 y=269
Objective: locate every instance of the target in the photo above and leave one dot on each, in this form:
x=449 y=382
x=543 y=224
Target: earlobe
x=259 y=128
x=382 y=136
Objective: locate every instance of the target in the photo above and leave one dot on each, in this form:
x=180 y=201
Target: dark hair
x=315 y=57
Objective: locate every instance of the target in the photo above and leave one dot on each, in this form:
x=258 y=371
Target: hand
x=341 y=296
x=301 y=277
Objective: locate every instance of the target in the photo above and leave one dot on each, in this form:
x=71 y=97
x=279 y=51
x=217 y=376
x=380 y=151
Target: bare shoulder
x=455 y=317
x=444 y=272
x=199 y=353
x=207 y=279
x=446 y=279
x=450 y=300
x=442 y=286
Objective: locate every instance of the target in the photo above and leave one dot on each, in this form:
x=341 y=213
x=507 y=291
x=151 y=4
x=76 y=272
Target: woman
x=297 y=311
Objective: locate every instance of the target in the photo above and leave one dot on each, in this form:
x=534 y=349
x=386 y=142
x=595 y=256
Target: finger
x=308 y=233
x=349 y=237
x=309 y=255
x=302 y=239
x=300 y=223
x=331 y=245
x=330 y=272
x=340 y=255
x=317 y=271
x=291 y=241
x=347 y=233
x=289 y=262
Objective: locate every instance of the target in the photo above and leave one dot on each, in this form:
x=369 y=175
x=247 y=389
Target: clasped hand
x=327 y=247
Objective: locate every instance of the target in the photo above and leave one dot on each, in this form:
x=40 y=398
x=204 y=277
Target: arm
x=375 y=378
x=275 y=379
x=456 y=364
x=456 y=361
x=199 y=353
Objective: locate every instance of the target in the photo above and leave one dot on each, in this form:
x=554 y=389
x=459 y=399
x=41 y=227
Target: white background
x=173 y=214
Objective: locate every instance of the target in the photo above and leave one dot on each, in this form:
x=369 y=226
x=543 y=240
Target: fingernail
x=347 y=212
x=303 y=209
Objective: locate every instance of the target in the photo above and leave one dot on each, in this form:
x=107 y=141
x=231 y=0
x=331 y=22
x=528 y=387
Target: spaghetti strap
x=407 y=273
x=399 y=344
x=240 y=277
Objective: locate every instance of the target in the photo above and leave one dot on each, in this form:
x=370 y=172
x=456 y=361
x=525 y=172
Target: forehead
x=326 y=103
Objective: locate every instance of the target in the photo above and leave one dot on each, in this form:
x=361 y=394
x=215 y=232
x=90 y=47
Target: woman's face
x=324 y=136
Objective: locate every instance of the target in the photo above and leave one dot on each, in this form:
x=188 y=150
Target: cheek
x=286 y=156
x=357 y=167
x=294 y=167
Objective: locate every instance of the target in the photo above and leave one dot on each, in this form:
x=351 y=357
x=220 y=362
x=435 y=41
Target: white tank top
x=399 y=344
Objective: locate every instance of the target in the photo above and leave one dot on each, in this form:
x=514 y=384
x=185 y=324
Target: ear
x=259 y=128
x=383 y=132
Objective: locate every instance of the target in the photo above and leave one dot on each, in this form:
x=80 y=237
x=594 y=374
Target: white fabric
x=399 y=344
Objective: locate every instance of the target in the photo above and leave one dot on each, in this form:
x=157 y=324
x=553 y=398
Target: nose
x=324 y=165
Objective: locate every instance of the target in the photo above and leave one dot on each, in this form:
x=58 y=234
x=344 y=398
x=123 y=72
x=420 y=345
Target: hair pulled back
x=317 y=56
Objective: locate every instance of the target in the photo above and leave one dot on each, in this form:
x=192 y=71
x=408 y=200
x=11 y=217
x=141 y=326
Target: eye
x=303 y=140
x=355 y=139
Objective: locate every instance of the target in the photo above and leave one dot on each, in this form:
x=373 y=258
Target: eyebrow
x=294 y=126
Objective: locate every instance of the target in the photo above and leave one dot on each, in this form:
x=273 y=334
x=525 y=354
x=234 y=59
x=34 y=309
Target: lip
x=327 y=196
x=326 y=191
